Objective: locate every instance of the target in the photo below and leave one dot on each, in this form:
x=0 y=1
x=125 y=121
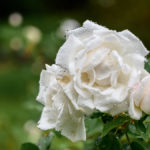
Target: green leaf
x=96 y=114
x=45 y=141
x=147 y=125
x=126 y=147
x=148 y=131
x=132 y=130
x=144 y=145
x=110 y=142
x=29 y=146
x=140 y=126
x=89 y=145
x=113 y=124
x=140 y=129
x=147 y=65
x=93 y=126
x=136 y=146
x=147 y=120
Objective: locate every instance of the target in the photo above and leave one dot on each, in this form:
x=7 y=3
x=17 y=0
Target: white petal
x=102 y=72
x=118 y=58
x=95 y=57
x=92 y=76
x=141 y=91
x=87 y=104
x=144 y=73
x=114 y=78
x=110 y=97
x=91 y=25
x=48 y=118
x=48 y=83
x=120 y=93
x=135 y=60
x=145 y=104
x=59 y=99
x=66 y=55
x=100 y=104
x=85 y=33
x=56 y=70
x=82 y=34
x=93 y=43
x=134 y=111
x=71 y=125
x=119 y=108
x=79 y=87
x=110 y=39
x=142 y=95
x=45 y=79
x=137 y=44
x=41 y=95
x=134 y=77
x=71 y=94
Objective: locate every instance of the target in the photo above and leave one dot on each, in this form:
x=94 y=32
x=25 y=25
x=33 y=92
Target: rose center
x=85 y=77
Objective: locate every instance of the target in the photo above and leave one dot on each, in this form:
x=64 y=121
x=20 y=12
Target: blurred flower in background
x=33 y=34
x=16 y=43
x=33 y=132
x=15 y=19
x=67 y=25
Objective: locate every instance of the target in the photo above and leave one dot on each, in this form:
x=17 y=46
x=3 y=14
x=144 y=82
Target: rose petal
x=134 y=111
x=71 y=94
x=91 y=25
x=87 y=104
x=134 y=77
x=71 y=124
x=141 y=91
x=145 y=105
x=135 y=60
x=48 y=118
x=95 y=57
x=45 y=78
x=119 y=108
x=65 y=56
x=138 y=46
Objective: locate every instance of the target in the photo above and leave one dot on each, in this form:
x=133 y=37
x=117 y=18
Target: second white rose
x=140 y=99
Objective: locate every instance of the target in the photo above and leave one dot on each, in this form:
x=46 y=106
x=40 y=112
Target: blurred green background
x=31 y=33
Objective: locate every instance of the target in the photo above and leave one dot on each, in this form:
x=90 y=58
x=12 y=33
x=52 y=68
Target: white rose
x=104 y=65
x=140 y=99
x=59 y=112
x=95 y=70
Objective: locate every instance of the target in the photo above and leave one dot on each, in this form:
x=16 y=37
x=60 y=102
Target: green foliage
x=147 y=125
x=29 y=146
x=113 y=124
x=109 y=142
x=147 y=65
x=140 y=145
x=89 y=145
x=45 y=141
x=93 y=126
x=118 y=133
x=136 y=146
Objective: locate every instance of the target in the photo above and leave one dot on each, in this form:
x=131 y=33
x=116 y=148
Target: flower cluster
x=95 y=69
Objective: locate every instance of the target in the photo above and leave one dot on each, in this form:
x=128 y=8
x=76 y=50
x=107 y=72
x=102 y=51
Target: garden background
x=31 y=33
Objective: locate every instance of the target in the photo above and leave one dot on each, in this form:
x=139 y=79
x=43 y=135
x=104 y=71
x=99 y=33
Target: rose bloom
x=95 y=69
x=60 y=111
x=140 y=99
